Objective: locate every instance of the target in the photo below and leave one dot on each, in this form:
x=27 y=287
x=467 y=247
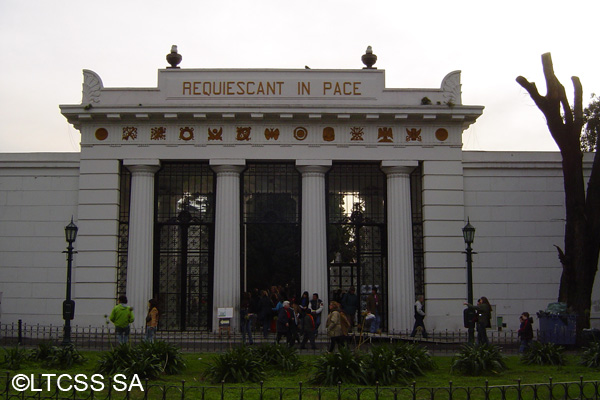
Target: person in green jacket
x=122 y=316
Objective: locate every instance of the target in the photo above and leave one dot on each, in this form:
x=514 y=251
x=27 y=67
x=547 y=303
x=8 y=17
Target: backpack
x=345 y=323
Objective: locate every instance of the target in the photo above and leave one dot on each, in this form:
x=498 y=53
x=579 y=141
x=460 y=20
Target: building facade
x=218 y=182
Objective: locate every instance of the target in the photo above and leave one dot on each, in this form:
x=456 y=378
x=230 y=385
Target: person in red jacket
x=525 y=331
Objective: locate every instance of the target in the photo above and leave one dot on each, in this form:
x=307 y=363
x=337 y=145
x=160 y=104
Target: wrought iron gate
x=357 y=230
x=184 y=230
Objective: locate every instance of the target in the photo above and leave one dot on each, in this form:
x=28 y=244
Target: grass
x=440 y=377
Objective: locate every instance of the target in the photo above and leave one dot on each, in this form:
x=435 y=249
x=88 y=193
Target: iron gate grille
x=416 y=203
x=356 y=230
x=183 y=267
x=123 y=245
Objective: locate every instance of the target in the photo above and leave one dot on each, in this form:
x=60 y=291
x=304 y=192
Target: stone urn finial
x=173 y=57
x=369 y=59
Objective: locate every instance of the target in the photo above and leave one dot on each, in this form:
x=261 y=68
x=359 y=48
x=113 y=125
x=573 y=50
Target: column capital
x=142 y=169
x=313 y=169
x=401 y=168
x=227 y=169
x=141 y=161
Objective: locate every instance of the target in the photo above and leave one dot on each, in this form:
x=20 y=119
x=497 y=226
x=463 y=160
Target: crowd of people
x=290 y=318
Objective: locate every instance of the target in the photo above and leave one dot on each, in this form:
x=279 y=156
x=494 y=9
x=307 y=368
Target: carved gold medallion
x=385 y=135
x=300 y=133
x=243 y=133
x=215 y=134
x=271 y=133
x=441 y=134
x=328 y=134
x=101 y=134
x=413 y=134
x=129 y=132
x=158 y=133
x=186 y=133
x=357 y=133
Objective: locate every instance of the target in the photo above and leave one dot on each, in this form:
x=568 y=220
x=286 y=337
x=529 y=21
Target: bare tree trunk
x=582 y=228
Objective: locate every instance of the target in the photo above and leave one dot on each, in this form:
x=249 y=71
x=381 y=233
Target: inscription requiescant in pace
x=271 y=88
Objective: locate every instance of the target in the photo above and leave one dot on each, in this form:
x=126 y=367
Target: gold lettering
x=270 y=89
x=261 y=88
x=355 y=87
x=187 y=86
x=349 y=92
x=240 y=86
x=337 y=89
x=214 y=91
x=248 y=87
x=304 y=88
x=197 y=89
x=229 y=88
x=204 y=90
x=326 y=86
x=279 y=84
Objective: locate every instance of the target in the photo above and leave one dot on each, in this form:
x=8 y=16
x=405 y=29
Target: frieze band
x=245 y=134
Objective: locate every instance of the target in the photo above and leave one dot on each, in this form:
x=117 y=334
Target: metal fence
x=42 y=390
x=103 y=338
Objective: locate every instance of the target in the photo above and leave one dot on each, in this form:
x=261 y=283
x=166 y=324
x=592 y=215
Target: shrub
x=591 y=355
x=238 y=365
x=14 y=357
x=115 y=360
x=413 y=357
x=343 y=366
x=61 y=356
x=478 y=360
x=382 y=365
x=278 y=356
x=147 y=360
x=43 y=351
x=543 y=354
x=169 y=356
x=396 y=364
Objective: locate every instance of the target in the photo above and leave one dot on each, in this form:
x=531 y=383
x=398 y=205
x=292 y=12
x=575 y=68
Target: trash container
x=557 y=328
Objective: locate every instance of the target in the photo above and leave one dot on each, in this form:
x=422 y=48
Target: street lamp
x=68 y=304
x=469 y=236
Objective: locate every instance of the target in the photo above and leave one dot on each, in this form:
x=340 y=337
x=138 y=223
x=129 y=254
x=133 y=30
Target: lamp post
x=68 y=304
x=469 y=236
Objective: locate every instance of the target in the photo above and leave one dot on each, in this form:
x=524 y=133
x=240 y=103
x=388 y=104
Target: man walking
x=419 y=317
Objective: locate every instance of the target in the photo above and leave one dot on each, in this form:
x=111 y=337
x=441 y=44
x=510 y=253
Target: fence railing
x=42 y=390
x=103 y=338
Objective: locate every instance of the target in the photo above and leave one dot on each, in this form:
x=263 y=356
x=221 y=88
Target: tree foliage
x=579 y=258
x=591 y=118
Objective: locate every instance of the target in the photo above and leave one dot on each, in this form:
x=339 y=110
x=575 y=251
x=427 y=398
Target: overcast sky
x=45 y=45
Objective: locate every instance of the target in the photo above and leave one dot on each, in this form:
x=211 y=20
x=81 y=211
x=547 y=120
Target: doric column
x=226 y=292
x=314 y=231
x=141 y=237
x=401 y=274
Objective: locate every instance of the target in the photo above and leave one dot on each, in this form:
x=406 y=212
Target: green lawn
x=440 y=377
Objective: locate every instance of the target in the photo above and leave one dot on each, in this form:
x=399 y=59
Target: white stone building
x=220 y=181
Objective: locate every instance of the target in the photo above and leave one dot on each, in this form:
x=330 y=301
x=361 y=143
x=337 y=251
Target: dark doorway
x=271 y=227
x=272 y=256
